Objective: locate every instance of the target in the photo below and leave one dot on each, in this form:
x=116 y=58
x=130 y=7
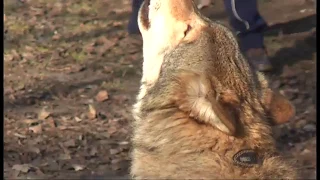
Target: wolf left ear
x=204 y=100
x=279 y=107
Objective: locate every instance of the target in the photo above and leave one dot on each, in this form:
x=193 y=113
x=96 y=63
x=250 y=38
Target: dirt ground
x=72 y=73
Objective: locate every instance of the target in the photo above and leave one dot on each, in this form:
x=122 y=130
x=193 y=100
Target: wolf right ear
x=204 y=100
x=279 y=107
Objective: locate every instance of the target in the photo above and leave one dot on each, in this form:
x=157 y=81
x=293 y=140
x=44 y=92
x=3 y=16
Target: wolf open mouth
x=144 y=16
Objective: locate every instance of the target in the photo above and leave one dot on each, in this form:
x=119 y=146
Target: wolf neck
x=152 y=63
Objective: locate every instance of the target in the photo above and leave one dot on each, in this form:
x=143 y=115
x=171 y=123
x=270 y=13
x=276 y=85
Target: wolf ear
x=279 y=107
x=205 y=101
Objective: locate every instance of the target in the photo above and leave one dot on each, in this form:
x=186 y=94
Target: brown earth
x=71 y=73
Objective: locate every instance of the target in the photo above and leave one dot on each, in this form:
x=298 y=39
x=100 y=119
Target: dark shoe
x=259 y=59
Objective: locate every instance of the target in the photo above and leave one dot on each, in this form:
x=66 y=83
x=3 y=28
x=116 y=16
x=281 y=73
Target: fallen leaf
x=92 y=114
x=120 y=98
x=34 y=149
x=93 y=151
x=112 y=130
x=12 y=97
x=102 y=96
x=37 y=140
x=305 y=152
x=115 y=161
x=64 y=157
x=123 y=143
x=77 y=119
x=90 y=48
x=36 y=129
x=56 y=37
x=8 y=57
x=39 y=172
x=102 y=40
x=43 y=114
x=15 y=54
x=22 y=167
x=28 y=48
x=51 y=122
x=303 y=10
x=115 y=167
x=30 y=121
x=28 y=56
x=107 y=69
x=19 y=86
x=63 y=127
x=114 y=151
x=70 y=143
x=78 y=167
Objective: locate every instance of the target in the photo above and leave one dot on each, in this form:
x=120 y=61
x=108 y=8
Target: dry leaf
x=114 y=151
x=20 y=135
x=77 y=119
x=92 y=114
x=56 y=37
x=93 y=151
x=123 y=143
x=30 y=121
x=112 y=130
x=28 y=56
x=22 y=167
x=63 y=127
x=90 y=48
x=115 y=167
x=36 y=129
x=115 y=161
x=102 y=96
x=70 y=143
x=8 y=57
x=43 y=114
x=34 y=149
x=78 y=167
x=51 y=122
x=15 y=54
x=64 y=157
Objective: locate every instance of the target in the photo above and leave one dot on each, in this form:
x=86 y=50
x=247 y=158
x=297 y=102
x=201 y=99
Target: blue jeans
x=133 y=22
x=244 y=19
x=247 y=22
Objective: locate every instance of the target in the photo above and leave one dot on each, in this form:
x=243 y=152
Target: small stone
x=310 y=128
x=305 y=152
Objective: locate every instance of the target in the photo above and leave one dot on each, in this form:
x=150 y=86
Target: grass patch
x=16 y=26
x=79 y=57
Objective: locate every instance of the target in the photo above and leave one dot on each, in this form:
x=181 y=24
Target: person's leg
x=204 y=3
x=133 y=27
x=248 y=24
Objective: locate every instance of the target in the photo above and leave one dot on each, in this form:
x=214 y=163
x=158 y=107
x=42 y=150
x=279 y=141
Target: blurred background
x=71 y=74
